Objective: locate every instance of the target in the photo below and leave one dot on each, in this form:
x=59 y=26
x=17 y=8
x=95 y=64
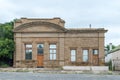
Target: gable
x=39 y=27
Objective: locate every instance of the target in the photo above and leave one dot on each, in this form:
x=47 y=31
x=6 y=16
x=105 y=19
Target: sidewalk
x=57 y=71
x=116 y=72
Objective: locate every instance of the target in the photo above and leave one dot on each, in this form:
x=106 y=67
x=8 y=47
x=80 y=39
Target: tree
x=6 y=48
x=6 y=43
x=108 y=47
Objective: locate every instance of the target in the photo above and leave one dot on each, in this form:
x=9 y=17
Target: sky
x=76 y=13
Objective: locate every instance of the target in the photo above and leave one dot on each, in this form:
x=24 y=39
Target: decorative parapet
x=56 y=20
x=82 y=30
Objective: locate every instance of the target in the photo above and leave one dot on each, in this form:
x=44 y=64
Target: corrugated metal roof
x=115 y=49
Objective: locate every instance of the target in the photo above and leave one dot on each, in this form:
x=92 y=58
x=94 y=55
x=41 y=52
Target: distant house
x=47 y=43
x=108 y=58
x=114 y=56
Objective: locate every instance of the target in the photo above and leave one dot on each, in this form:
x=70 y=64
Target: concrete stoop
x=86 y=68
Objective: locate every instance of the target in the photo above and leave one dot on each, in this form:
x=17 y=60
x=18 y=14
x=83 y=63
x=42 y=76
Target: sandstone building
x=47 y=43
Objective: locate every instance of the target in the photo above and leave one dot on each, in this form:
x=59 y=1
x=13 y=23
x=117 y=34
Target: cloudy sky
x=76 y=13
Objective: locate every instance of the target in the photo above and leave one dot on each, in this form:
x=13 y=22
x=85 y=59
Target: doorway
x=40 y=55
x=95 y=57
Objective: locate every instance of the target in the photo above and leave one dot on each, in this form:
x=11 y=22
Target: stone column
x=34 y=51
x=18 y=54
x=46 y=54
x=101 y=49
x=90 y=57
x=61 y=50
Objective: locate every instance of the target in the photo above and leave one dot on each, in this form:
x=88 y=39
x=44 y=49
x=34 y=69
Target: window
x=28 y=51
x=40 y=49
x=52 y=51
x=95 y=51
x=85 y=55
x=73 y=55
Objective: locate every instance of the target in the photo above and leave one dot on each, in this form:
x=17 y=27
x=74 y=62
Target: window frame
x=52 y=52
x=75 y=58
x=38 y=48
x=93 y=52
x=85 y=55
x=26 y=54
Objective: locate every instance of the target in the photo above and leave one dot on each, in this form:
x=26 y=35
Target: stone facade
x=52 y=31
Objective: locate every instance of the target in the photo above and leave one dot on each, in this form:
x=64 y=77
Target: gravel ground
x=51 y=76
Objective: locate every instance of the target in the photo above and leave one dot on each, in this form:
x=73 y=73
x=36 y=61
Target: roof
x=115 y=49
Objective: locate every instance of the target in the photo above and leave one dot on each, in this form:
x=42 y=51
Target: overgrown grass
x=3 y=65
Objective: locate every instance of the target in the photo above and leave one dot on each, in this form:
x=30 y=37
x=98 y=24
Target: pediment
x=39 y=27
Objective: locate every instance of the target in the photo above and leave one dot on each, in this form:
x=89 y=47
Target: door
x=40 y=55
x=95 y=57
x=40 y=61
x=95 y=60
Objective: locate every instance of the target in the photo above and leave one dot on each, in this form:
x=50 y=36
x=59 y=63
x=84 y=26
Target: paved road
x=48 y=76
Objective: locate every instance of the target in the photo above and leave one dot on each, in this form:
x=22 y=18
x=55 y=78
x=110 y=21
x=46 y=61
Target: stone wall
x=65 y=39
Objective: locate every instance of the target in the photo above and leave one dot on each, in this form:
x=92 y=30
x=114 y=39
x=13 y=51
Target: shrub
x=4 y=65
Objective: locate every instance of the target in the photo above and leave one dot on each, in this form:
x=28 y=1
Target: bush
x=109 y=64
x=3 y=65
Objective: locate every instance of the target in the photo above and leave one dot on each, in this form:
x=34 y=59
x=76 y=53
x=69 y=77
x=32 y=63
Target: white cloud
x=77 y=13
